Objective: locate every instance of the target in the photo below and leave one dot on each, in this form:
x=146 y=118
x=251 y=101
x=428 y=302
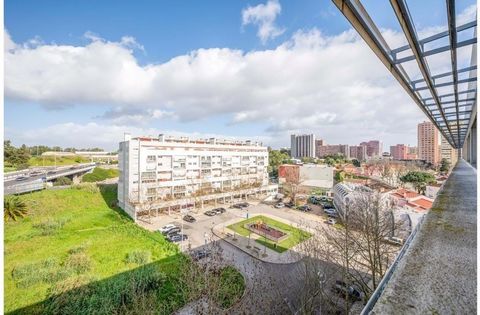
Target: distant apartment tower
x=167 y=174
x=412 y=153
x=302 y=146
x=374 y=148
x=322 y=149
x=358 y=152
x=399 y=152
x=428 y=143
x=447 y=152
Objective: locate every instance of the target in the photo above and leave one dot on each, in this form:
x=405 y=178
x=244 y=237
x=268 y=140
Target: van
x=394 y=240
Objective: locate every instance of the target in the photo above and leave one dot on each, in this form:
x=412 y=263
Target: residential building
x=302 y=146
x=358 y=152
x=323 y=150
x=411 y=153
x=399 y=152
x=167 y=173
x=428 y=143
x=410 y=199
x=447 y=152
x=307 y=175
x=374 y=148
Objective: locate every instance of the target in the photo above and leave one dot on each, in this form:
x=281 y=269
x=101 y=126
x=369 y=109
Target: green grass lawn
x=99 y=174
x=77 y=253
x=60 y=160
x=295 y=235
x=7 y=169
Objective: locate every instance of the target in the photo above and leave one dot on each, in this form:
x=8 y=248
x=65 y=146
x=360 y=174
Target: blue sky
x=200 y=68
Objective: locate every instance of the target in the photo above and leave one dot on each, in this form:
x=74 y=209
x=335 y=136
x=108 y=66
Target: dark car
x=189 y=218
x=210 y=213
x=200 y=254
x=347 y=291
x=20 y=178
x=289 y=205
x=305 y=208
x=238 y=206
x=51 y=172
x=175 y=230
x=219 y=210
x=174 y=238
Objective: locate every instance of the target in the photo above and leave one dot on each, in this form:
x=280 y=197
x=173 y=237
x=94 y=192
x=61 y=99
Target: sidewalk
x=257 y=250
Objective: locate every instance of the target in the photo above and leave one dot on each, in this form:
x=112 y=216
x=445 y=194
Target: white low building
x=344 y=195
x=166 y=173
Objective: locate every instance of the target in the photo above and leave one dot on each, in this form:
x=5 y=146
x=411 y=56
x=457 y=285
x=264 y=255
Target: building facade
x=323 y=150
x=302 y=146
x=344 y=195
x=308 y=175
x=428 y=143
x=448 y=153
x=358 y=152
x=168 y=173
x=399 y=152
x=374 y=148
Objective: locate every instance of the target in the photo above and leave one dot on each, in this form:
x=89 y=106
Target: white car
x=165 y=229
x=331 y=221
x=279 y=205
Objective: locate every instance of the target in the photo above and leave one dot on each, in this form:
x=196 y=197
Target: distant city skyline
x=260 y=70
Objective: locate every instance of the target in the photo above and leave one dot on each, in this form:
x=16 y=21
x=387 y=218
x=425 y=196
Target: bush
x=89 y=187
x=78 y=263
x=62 y=181
x=46 y=271
x=232 y=286
x=50 y=226
x=77 y=249
x=139 y=257
x=99 y=174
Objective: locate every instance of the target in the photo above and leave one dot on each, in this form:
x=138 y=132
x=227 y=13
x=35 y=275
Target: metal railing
x=388 y=275
x=20 y=189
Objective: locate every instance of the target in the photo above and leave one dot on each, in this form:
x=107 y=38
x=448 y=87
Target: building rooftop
x=438 y=273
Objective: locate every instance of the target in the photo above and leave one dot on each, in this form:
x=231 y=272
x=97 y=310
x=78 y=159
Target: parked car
x=394 y=240
x=200 y=254
x=347 y=291
x=290 y=205
x=332 y=215
x=279 y=205
x=20 y=178
x=189 y=218
x=305 y=208
x=174 y=238
x=51 y=172
x=218 y=210
x=330 y=211
x=167 y=228
x=210 y=213
x=241 y=205
x=331 y=221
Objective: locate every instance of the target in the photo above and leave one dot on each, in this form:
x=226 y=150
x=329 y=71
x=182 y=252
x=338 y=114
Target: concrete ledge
x=438 y=274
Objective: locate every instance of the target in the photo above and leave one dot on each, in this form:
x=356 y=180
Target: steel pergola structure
x=452 y=113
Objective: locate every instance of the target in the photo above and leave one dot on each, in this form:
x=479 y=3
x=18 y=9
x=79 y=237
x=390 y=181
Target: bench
x=256 y=250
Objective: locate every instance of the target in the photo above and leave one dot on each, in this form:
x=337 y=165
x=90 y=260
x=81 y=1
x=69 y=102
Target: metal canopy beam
x=446 y=74
x=403 y=16
x=421 y=88
x=356 y=14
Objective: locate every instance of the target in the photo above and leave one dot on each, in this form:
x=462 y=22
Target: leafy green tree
x=445 y=165
x=356 y=163
x=15 y=156
x=13 y=208
x=418 y=179
x=276 y=158
x=339 y=176
x=62 y=181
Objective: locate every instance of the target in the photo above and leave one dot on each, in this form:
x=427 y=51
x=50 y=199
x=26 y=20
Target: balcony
x=437 y=274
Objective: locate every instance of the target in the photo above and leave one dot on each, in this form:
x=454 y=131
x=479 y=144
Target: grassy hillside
x=50 y=160
x=100 y=174
x=77 y=253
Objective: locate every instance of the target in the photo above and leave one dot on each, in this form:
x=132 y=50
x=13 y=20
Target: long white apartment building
x=159 y=175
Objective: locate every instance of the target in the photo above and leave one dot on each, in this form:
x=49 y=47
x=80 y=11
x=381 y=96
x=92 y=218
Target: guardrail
x=388 y=275
x=19 y=189
x=12 y=175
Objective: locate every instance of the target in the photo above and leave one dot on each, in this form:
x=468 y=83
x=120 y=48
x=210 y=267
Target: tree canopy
x=418 y=179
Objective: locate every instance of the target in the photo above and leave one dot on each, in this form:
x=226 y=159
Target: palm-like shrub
x=13 y=208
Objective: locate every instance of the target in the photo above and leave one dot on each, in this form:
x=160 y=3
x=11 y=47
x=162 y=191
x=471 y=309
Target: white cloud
x=263 y=16
x=333 y=86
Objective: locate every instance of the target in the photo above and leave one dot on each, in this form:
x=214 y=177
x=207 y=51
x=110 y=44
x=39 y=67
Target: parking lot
x=199 y=232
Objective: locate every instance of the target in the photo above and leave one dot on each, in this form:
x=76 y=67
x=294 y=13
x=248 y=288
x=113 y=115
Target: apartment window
x=151 y=158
